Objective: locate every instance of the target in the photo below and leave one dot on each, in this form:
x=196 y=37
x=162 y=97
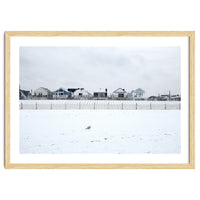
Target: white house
x=120 y=94
x=100 y=94
x=137 y=94
x=43 y=92
x=82 y=94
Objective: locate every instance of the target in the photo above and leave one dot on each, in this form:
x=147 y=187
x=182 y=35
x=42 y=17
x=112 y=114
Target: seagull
x=89 y=127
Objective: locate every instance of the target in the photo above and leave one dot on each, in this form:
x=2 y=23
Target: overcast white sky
x=154 y=69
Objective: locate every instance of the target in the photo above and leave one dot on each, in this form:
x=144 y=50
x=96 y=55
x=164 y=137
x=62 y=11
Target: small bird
x=89 y=127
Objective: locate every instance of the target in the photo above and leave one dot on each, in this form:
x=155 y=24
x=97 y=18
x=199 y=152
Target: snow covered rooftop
x=101 y=90
x=120 y=90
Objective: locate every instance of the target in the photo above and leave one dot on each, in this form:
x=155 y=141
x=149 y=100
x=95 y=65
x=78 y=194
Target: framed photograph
x=99 y=100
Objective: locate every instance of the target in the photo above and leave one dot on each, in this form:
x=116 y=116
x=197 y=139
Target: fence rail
x=99 y=106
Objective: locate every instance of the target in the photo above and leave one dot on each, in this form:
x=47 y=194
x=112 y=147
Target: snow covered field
x=99 y=131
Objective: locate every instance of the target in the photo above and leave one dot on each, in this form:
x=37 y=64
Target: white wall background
x=99 y=15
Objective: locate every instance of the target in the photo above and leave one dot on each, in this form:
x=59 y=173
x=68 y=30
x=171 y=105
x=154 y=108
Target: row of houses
x=167 y=97
x=81 y=93
x=101 y=94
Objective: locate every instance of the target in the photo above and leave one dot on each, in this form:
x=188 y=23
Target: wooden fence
x=99 y=106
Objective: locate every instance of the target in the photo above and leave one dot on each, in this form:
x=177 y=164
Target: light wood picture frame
x=9 y=35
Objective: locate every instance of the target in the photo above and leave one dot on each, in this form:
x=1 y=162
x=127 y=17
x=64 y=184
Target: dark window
x=120 y=95
x=95 y=94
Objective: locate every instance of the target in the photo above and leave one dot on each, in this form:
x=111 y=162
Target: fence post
x=179 y=106
x=165 y=107
x=150 y=106
x=36 y=106
x=51 y=105
x=136 y=106
x=21 y=106
x=79 y=105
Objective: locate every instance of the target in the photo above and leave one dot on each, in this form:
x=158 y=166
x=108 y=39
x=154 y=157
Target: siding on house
x=43 y=92
x=120 y=94
x=137 y=94
x=100 y=95
x=62 y=94
x=82 y=94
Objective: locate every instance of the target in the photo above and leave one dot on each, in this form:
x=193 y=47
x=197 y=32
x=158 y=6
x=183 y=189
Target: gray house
x=175 y=98
x=152 y=98
x=24 y=94
x=101 y=94
x=43 y=93
x=61 y=93
x=164 y=97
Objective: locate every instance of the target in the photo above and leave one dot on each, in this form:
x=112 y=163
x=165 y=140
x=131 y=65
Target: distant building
x=43 y=93
x=72 y=89
x=82 y=94
x=137 y=94
x=152 y=98
x=164 y=97
x=120 y=94
x=175 y=98
x=101 y=94
x=62 y=94
x=24 y=94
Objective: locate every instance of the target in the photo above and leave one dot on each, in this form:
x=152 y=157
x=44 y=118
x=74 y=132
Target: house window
x=80 y=94
x=95 y=94
x=101 y=95
x=120 y=95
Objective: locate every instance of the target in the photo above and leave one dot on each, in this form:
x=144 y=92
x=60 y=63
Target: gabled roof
x=43 y=89
x=120 y=90
x=25 y=92
x=46 y=89
x=72 y=89
x=81 y=90
x=101 y=91
x=138 y=90
x=61 y=89
x=64 y=90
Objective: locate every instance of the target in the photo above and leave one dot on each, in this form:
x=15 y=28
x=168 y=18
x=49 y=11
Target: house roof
x=44 y=89
x=101 y=91
x=81 y=90
x=25 y=92
x=72 y=89
x=62 y=89
x=120 y=90
x=138 y=90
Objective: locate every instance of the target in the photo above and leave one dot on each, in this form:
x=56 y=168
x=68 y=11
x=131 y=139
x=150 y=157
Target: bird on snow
x=89 y=127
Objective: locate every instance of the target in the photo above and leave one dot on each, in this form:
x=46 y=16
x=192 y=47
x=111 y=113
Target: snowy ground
x=112 y=131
